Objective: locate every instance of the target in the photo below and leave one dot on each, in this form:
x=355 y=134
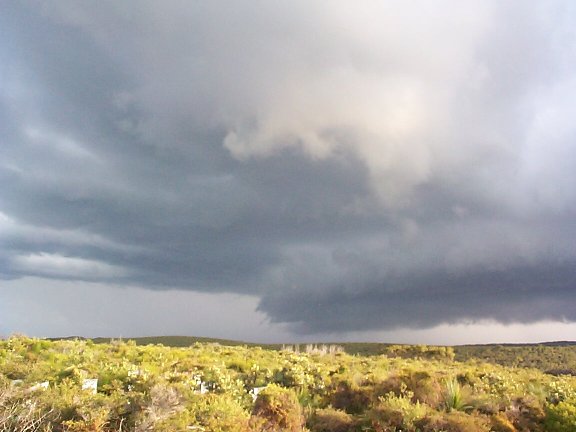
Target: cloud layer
x=354 y=166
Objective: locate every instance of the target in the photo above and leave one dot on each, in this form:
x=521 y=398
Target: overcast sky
x=308 y=170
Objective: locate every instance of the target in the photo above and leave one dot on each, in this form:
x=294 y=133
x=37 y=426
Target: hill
x=82 y=386
x=556 y=358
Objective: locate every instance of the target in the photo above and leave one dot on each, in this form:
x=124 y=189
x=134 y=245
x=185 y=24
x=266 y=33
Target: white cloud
x=12 y=229
x=66 y=146
x=416 y=91
x=54 y=265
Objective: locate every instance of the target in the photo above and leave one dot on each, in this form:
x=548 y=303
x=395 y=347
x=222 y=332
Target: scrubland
x=210 y=387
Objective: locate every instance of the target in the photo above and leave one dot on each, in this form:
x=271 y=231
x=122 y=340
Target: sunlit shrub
x=277 y=409
x=91 y=420
x=396 y=412
x=157 y=388
x=424 y=387
x=500 y=423
x=300 y=371
x=560 y=390
x=331 y=420
x=455 y=396
x=561 y=417
x=162 y=403
x=454 y=421
x=224 y=381
x=214 y=413
x=80 y=410
x=258 y=376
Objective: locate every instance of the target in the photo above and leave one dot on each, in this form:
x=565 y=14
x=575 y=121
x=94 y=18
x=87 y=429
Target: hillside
x=551 y=357
x=83 y=386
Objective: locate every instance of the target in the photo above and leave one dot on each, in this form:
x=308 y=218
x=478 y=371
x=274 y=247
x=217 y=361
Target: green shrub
x=455 y=396
x=424 y=387
x=218 y=413
x=396 y=412
x=561 y=417
x=92 y=420
x=156 y=388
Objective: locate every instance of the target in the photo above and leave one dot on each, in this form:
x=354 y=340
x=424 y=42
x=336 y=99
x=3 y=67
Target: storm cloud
x=352 y=165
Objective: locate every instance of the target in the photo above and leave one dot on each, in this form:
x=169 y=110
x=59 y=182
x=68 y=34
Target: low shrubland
x=210 y=387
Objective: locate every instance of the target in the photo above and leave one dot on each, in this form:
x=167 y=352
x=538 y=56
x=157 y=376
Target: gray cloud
x=522 y=294
x=355 y=167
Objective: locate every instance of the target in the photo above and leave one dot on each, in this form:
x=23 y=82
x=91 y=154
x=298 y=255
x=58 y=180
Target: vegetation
x=557 y=358
x=210 y=387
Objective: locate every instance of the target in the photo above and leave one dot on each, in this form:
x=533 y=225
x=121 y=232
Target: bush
x=277 y=409
x=18 y=414
x=423 y=386
x=331 y=420
x=155 y=388
x=352 y=399
x=396 y=413
x=455 y=396
x=527 y=414
x=453 y=422
x=217 y=413
x=500 y=423
x=561 y=417
x=163 y=402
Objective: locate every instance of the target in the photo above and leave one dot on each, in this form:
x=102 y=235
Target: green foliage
x=557 y=359
x=455 y=396
x=561 y=417
x=394 y=412
x=220 y=414
x=206 y=387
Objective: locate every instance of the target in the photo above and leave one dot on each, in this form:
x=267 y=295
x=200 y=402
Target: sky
x=399 y=171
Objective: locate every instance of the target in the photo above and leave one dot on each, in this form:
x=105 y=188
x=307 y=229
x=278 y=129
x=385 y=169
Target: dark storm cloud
x=521 y=294
x=357 y=167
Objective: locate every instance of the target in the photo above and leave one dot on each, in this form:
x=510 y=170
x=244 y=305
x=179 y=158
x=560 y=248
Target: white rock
x=39 y=386
x=90 y=385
